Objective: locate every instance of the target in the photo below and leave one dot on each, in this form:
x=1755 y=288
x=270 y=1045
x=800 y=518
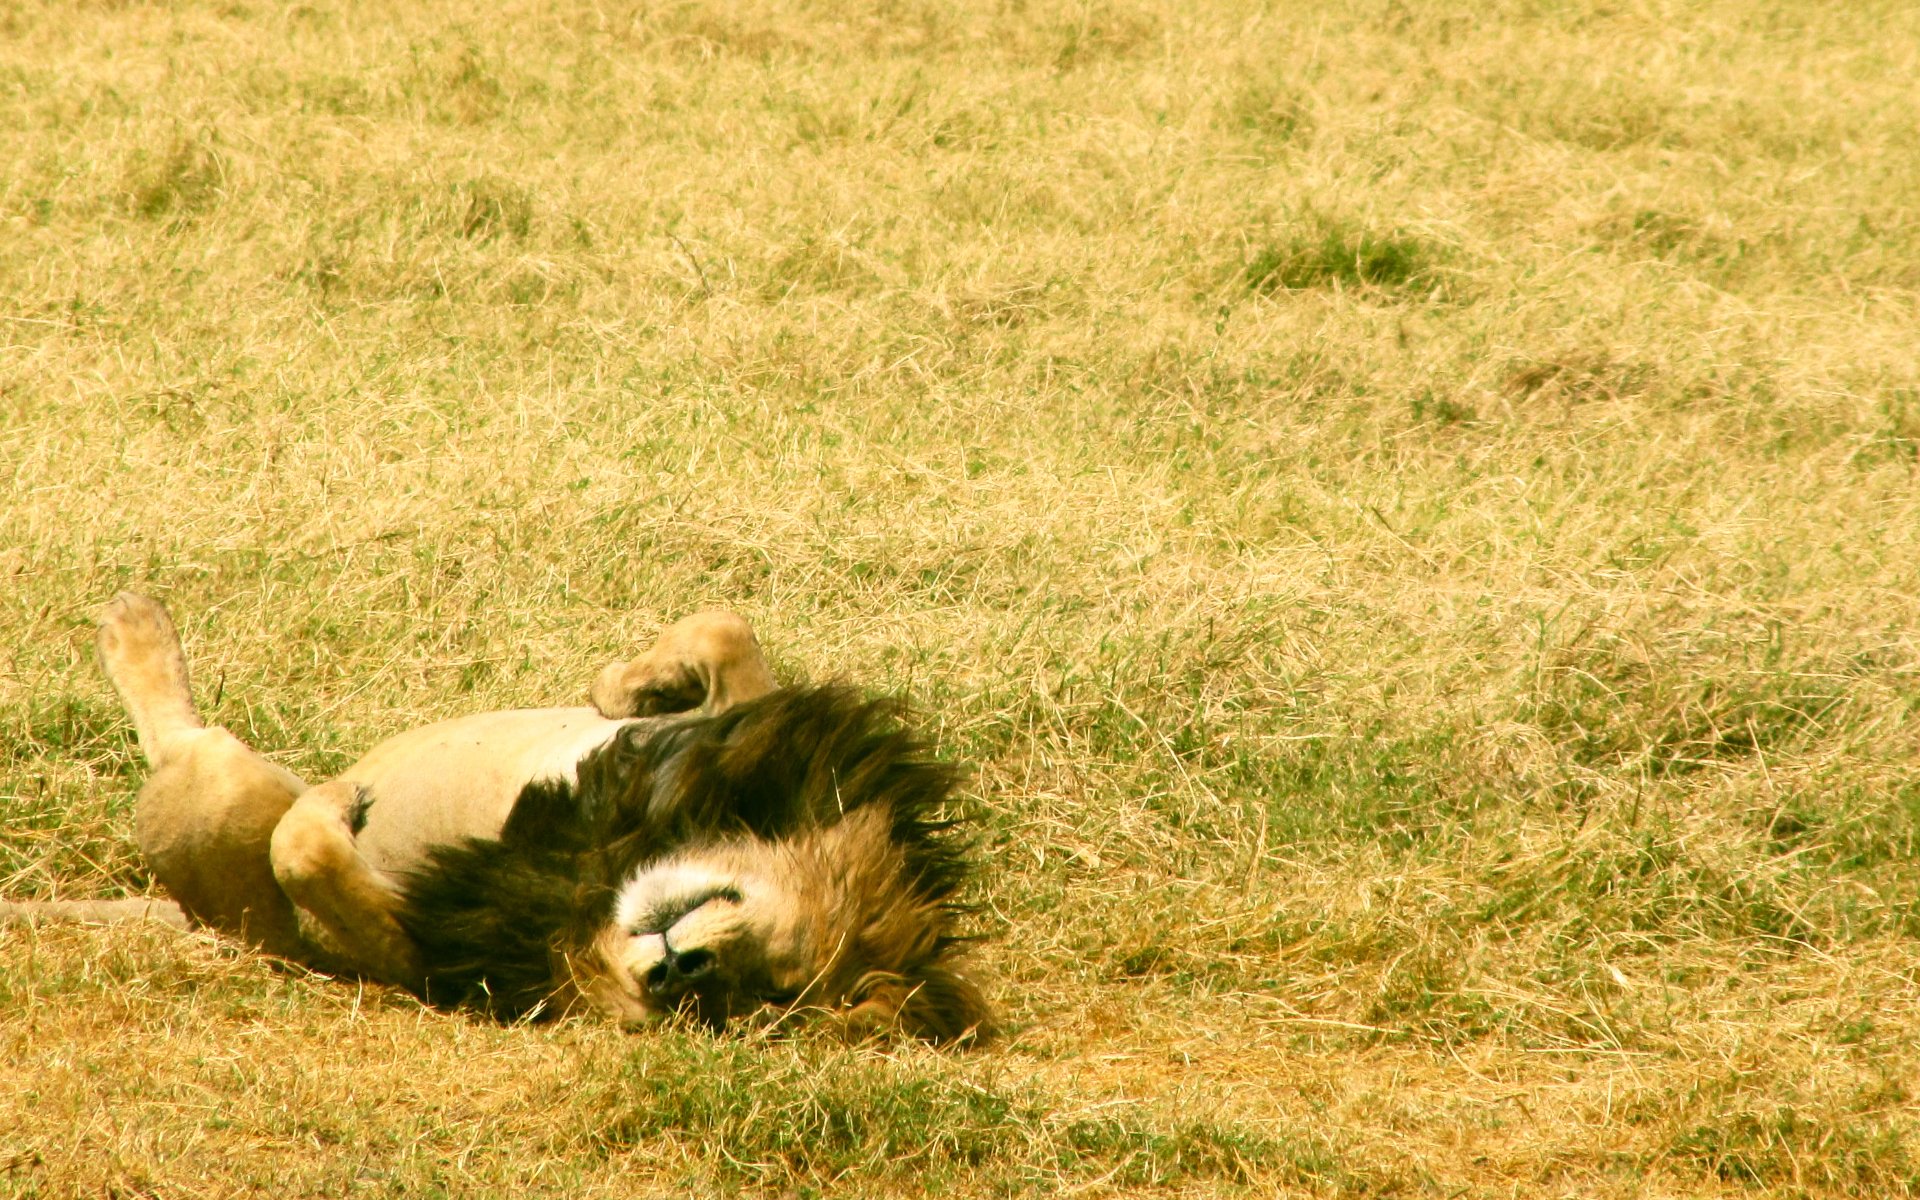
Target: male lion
x=698 y=841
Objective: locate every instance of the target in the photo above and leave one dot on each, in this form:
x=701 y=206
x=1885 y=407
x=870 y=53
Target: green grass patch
x=1802 y=1143
x=1317 y=250
x=810 y=1116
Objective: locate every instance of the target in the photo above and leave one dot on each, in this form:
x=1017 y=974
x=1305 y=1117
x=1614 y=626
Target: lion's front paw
x=642 y=688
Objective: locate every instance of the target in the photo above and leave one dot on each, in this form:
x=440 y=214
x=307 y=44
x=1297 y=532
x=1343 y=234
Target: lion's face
x=717 y=935
x=820 y=922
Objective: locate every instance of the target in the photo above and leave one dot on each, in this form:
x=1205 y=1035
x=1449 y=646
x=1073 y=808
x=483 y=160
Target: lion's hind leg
x=204 y=818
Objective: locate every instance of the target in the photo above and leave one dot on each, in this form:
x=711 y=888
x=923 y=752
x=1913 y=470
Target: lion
x=697 y=842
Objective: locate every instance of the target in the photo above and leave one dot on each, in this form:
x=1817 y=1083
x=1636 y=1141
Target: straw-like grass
x=1409 y=508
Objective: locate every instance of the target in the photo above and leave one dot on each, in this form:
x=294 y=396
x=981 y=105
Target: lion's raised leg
x=321 y=871
x=205 y=818
x=710 y=661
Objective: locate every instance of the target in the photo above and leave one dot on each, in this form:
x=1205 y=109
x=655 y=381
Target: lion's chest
x=460 y=778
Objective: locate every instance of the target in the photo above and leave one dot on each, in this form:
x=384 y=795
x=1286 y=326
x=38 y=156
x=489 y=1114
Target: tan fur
x=311 y=873
x=246 y=847
x=350 y=906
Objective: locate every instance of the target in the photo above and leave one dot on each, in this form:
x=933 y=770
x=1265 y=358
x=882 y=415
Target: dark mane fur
x=492 y=916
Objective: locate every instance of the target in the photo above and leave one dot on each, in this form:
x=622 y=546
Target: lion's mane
x=493 y=916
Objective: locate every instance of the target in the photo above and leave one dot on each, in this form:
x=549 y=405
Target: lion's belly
x=459 y=779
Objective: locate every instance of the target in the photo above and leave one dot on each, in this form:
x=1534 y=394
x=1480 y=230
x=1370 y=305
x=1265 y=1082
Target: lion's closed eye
x=661 y=917
x=658 y=898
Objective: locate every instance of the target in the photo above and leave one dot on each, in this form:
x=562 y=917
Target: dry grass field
x=1408 y=508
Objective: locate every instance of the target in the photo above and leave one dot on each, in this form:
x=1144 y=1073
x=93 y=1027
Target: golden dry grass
x=1409 y=507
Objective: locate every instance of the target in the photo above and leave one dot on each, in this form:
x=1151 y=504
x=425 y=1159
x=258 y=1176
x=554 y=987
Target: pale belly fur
x=459 y=778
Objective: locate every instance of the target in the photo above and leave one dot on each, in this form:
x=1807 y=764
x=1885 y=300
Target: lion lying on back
x=698 y=842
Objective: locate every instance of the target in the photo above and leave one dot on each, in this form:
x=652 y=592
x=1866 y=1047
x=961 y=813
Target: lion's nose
x=679 y=973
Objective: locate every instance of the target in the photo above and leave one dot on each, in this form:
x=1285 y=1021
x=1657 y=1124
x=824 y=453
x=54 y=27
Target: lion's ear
x=939 y=1006
x=948 y=1007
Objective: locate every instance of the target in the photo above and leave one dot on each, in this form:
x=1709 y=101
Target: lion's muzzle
x=675 y=976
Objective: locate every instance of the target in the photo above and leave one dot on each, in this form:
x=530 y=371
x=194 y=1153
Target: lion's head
x=789 y=856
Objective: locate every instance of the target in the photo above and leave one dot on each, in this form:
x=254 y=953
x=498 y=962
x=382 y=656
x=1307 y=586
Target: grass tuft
x=187 y=180
x=491 y=208
x=1781 y=1146
x=1320 y=251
